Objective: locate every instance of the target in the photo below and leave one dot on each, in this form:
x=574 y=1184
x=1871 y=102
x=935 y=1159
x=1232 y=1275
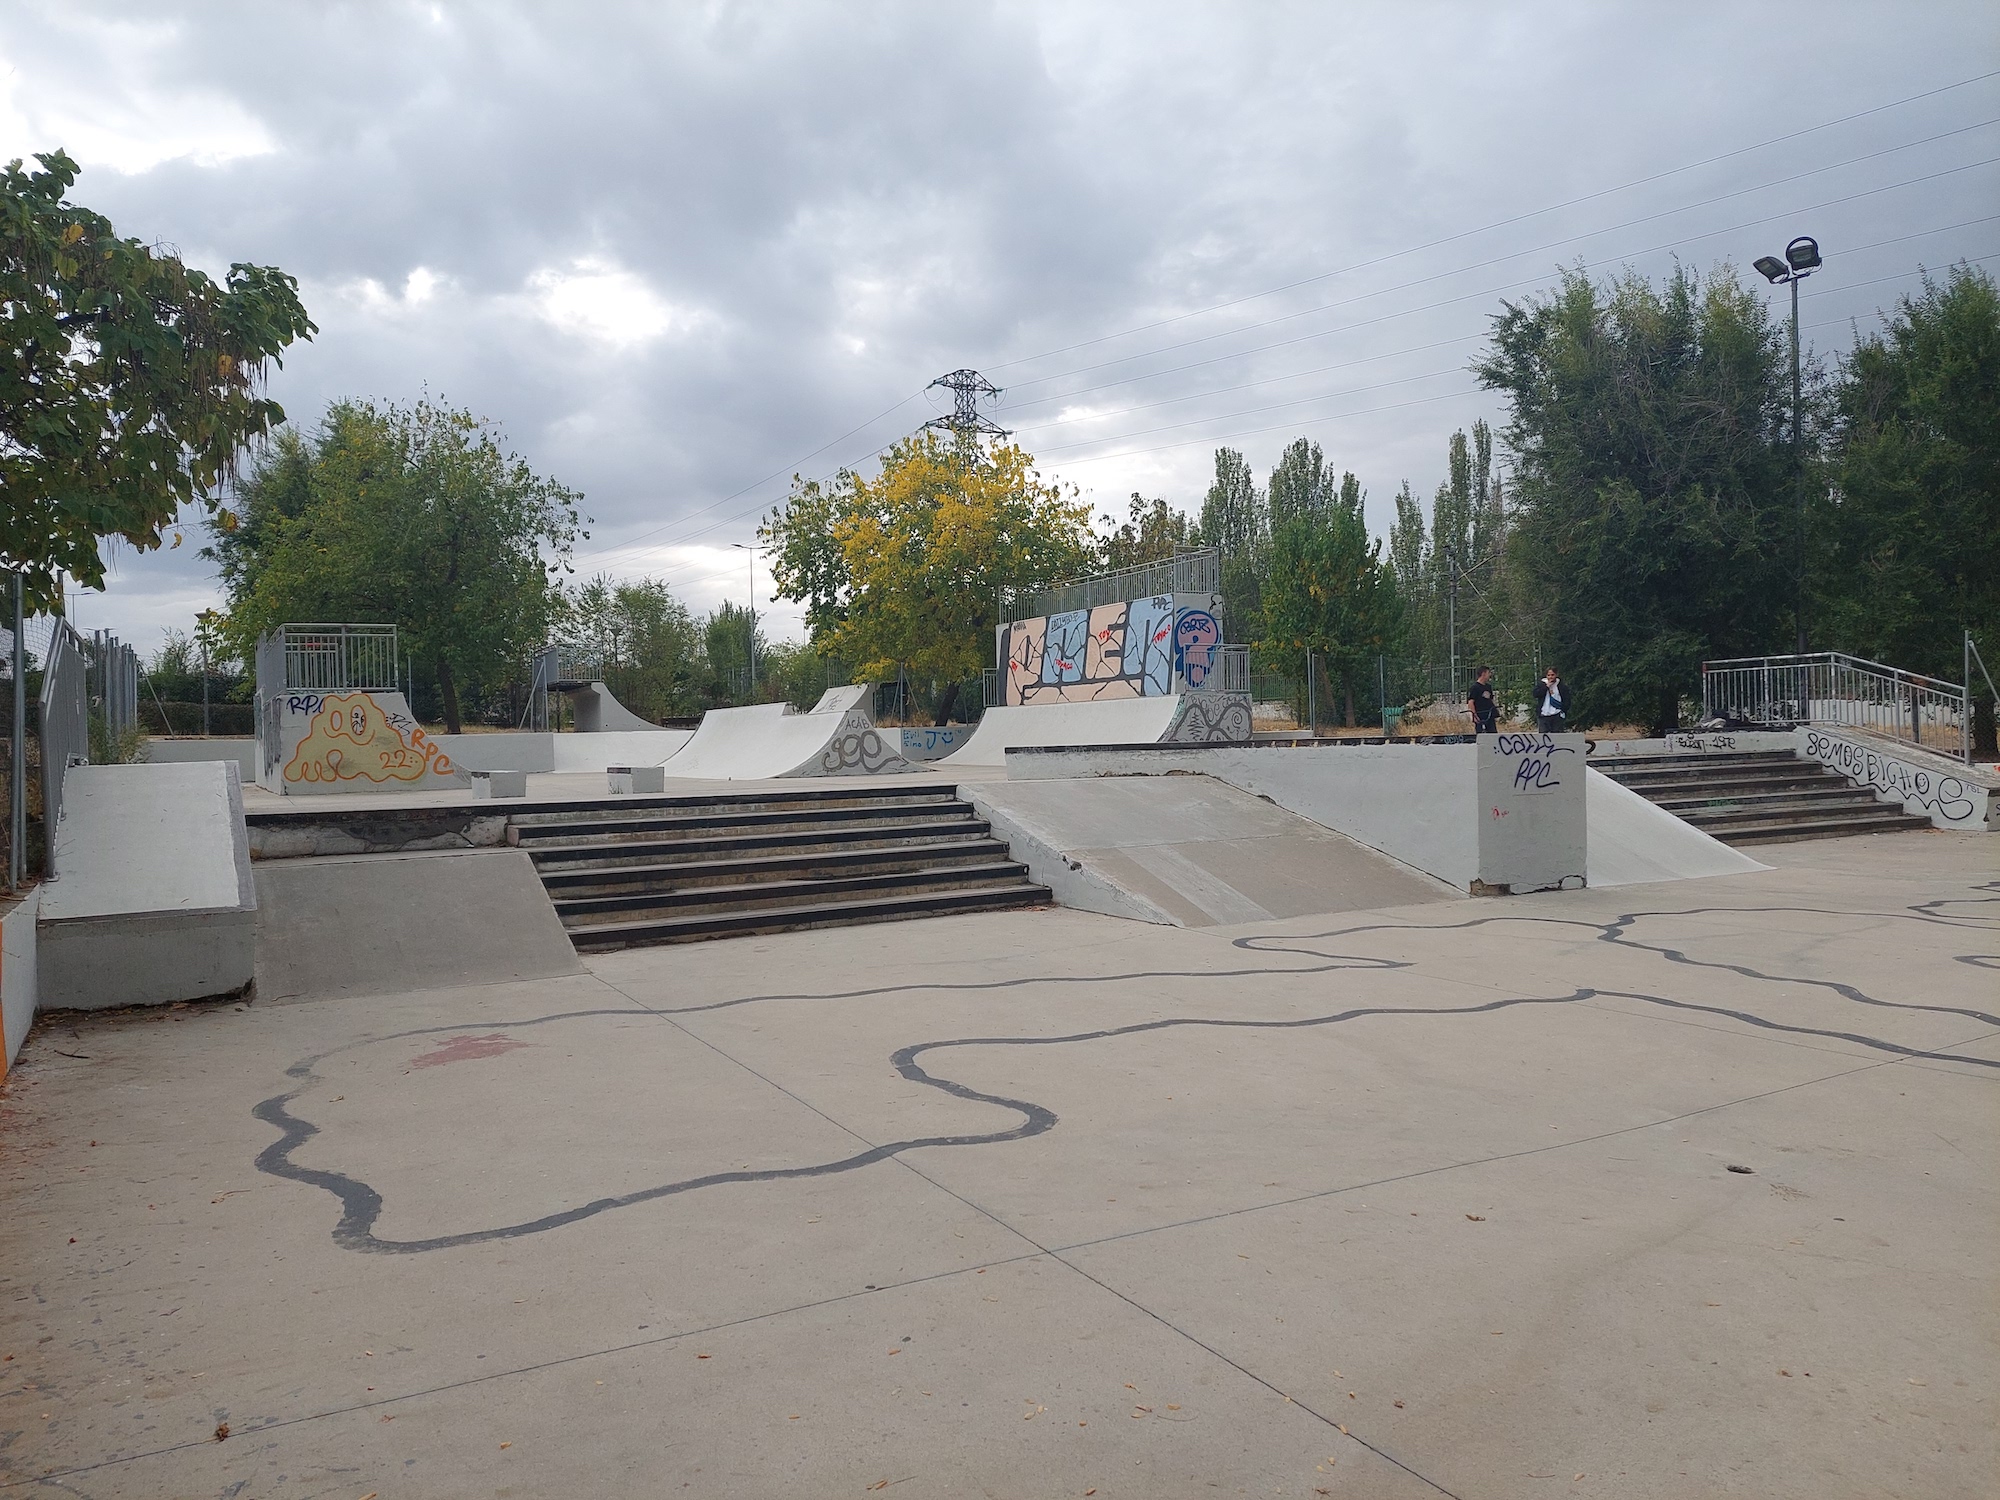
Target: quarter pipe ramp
x=771 y=740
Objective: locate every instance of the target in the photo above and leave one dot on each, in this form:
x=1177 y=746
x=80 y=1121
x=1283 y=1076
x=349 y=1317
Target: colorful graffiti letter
x=1196 y=635
x=351 y=738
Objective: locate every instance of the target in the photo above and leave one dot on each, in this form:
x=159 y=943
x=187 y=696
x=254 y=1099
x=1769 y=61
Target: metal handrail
x=1831 y=687
x=338 y=658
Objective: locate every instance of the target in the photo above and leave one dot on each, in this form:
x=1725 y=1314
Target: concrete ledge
x=162 y=751
x=1953 y=796
x=487 y=785
x=17 y=976
x=626 y=781
x=154 y=902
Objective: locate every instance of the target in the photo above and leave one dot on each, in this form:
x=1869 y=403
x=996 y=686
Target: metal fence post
x=17 y=769
x=1312 y=701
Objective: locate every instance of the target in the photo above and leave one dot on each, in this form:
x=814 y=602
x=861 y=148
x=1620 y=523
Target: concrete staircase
x=1757 y=797
x=681 y=869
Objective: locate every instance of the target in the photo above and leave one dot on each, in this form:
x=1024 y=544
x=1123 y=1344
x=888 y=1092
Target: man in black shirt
x=1485 y=712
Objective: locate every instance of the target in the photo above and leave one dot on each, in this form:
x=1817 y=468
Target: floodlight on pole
x=1802 y=258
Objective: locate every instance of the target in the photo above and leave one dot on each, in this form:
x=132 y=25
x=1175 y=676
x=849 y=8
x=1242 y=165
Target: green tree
x=1329 y=593
x=407 y=515
x=1302 y=487
x=652 y=650
x=905 y=569
x=1651 y=504
x=1235 y=522
x=128 y=382
x=1910 y=534
x=1151 y=532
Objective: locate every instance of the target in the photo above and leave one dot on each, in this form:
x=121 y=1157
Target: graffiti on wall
x=1138 y=648
x=351 y=737
x=1948 y=799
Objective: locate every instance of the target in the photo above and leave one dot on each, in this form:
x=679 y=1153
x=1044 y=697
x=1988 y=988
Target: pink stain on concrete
x=465 y=1049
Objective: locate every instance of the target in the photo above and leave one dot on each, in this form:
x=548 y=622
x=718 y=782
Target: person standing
x=1551 y=703
x=1485 y=712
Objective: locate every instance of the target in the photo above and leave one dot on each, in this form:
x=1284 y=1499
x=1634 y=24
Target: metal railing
x=335 y=658
x=1828 y=687
x=1194 y=572
x=65 y=725
x=1229 y=671
x=114 y=684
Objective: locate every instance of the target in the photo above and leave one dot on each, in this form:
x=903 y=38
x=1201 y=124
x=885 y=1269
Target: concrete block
x=1533 y=817
x=154 y=901
x=626 y=780
x=486 y=784
x=163 y=751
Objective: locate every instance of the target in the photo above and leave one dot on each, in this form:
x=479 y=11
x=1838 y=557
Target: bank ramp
x=1115 y=721
x=1188 y=851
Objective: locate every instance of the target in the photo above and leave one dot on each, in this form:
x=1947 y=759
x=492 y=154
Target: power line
x=1532 y=250
x=721 y=521
x=1440 y=343
x=1503 y=223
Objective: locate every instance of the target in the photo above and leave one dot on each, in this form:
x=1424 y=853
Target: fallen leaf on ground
x=895 y=1351
x=880 y=1484
x=371 y=1495
x=701 y=1356
x=230 y=1194
x=1172 y=1407
x=506 y=1445
x=1342 y=1430
x=1786 y=1373
x=1130 y=1387
x=1477 y=1218
x=221 y=1431
x=1399 y=1406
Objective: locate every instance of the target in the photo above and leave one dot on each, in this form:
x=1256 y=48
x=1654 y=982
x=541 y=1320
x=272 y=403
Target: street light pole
x=1802 y=258
x=749 y=549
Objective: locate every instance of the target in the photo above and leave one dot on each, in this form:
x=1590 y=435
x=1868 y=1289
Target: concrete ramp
x=1112 y=721
x=840 y=700
x=598 y=712
x=153 y=901
x=1632 y=841
x=382 y=924
x=1188 y=851
x=771 y=740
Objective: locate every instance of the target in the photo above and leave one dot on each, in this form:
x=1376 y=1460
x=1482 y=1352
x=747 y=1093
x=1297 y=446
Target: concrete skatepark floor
x=1431 y=1200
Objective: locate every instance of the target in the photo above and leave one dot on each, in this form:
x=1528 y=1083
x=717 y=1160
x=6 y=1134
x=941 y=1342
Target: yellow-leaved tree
x=904 y=569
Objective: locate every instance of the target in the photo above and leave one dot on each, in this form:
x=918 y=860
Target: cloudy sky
x=682 y=251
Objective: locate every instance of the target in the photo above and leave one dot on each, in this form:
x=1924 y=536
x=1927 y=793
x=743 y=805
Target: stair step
x=606 y=937
x=1734 y=761
x=1781 y=809
x=569 y=884
x=1770 y=833
x=1793 y=775
x=582 y=914
x=610 y=856
x=672 y=804
x=607 y=829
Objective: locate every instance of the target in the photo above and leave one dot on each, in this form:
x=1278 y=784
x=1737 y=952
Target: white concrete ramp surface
x=840 y=700
x=1632 y=841
x=383 y=924
x=1188 y=851
x=153 y=901
x=1113 y=721
x=598 y=712
x=771 y=740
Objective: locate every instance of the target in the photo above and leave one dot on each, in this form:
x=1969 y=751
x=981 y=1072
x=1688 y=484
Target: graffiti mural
x=351 y=737
x=1949 y=801
x=1138 y=648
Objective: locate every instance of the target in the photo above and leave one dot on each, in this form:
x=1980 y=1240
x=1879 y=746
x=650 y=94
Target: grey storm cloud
x=675 y=249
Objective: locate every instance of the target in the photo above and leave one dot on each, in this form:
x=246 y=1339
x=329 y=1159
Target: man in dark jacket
x=1552 y=703
x=1485 y=713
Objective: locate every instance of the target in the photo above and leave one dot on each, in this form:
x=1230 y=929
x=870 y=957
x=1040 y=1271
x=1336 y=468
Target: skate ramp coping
x=153 y=901
x=1189 y=851
x=771 y=740
x=383 y=924
x=1112 y=721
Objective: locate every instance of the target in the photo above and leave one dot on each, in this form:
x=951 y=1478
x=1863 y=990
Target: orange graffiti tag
x=351 y=738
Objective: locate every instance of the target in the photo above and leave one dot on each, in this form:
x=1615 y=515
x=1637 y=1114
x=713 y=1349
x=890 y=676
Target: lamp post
x=1801 y=260
x=749 y=549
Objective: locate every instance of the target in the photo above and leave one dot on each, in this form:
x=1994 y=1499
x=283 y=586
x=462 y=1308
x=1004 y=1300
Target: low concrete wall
x=155 y=901
x=1726 y=742
x=1951 y=795
x=633 y=747
x=934 y=744
x=18 y=990
x=304 y=835
x=163 y=751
